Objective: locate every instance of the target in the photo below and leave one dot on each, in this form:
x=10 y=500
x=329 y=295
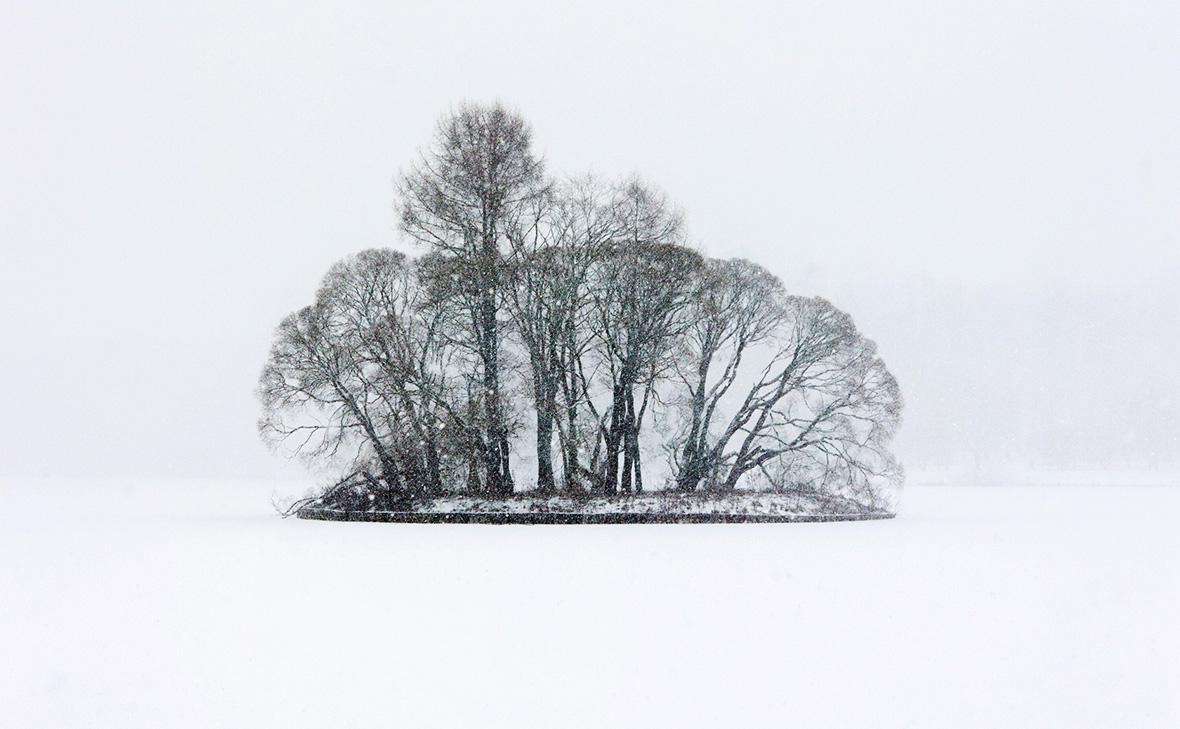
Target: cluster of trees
x=574 y=311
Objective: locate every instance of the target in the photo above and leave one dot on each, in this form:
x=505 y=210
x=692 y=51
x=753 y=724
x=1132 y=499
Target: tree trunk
x=571 y=474
x=496 y=456
x=429 y=464
x=611 y=474
x=506 y=485
x=545 y=483
x=628 y=436
x=636 y=463
x=433 y=469
x=690 y=470
x=567 y=371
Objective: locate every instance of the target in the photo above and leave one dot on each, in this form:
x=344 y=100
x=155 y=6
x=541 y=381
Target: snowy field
x=189 y=604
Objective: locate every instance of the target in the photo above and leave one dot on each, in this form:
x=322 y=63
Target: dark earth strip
x=420 y=517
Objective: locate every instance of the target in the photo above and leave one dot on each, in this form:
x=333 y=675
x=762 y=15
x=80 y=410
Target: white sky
x=990 y=188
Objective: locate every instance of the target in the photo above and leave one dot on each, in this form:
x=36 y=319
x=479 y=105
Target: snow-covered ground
x=189 y=604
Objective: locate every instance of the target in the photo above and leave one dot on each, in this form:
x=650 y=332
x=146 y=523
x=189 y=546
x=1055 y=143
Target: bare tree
x=640 y=293
x=553 y=251
x=460 y=199
x=819 y=414
x=734 y=305
x=452 y=302
x=362 y=373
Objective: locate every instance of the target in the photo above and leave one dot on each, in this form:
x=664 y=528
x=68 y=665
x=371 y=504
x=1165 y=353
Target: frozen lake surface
x=190 y=604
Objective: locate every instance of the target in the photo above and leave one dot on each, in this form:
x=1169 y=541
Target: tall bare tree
x=553 y=251
x=460 y=199
x=640 y=293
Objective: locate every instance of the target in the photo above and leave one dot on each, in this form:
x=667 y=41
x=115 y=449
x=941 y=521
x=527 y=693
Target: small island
x=351 y=504
x=562 y=352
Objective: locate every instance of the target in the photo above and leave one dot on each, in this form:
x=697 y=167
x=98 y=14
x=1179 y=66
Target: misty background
x=992 y=191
